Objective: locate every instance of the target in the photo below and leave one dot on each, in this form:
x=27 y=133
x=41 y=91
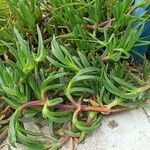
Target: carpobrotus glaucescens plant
x=66 y=63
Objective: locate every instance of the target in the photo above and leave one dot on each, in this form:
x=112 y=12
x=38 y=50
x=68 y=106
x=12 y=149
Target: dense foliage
x=66 y=63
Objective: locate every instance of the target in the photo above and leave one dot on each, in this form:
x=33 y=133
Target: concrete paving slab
x=124 y=131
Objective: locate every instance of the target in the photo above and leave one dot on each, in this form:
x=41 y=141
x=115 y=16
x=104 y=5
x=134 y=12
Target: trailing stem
x=101 y=109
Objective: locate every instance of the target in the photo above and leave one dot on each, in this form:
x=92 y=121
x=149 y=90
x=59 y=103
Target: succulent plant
x=67 y=64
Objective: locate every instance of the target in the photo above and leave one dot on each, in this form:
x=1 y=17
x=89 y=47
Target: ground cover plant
x=66 y=64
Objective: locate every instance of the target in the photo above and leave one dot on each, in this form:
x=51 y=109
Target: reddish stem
x=7 y=110
x=5 y=56
x=33 y=104
x=102 y=109
x=64 y=139
x=104 y=58
x=3 y=136
x=104 y=23
x=100 y=25
x=144 y=88
x=133 y=7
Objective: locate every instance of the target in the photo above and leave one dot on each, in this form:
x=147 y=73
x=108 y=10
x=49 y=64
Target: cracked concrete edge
x=147 y=114
x=147 y=110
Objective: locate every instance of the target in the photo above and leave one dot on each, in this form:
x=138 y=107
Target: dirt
x=113 y=124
